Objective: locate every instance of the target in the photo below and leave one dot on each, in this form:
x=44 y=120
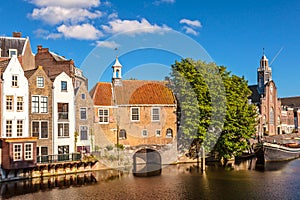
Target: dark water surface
x=242 y=181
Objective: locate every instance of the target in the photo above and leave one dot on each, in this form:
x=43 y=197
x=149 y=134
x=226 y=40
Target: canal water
x=243 y=180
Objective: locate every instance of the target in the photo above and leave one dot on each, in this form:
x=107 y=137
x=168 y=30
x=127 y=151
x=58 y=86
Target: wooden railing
x=58 y=158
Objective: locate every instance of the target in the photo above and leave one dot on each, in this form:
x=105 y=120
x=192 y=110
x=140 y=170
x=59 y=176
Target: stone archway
x=147 y=162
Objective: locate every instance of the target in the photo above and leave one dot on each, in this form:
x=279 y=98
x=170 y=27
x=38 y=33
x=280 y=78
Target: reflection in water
x=186 y=181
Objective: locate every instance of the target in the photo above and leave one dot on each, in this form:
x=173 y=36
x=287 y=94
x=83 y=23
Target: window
x=8 y=128
x=272 y=116
x=63 y=129
x=135 y=114
x=64 y=86
x=144 y=133
x=44 y=104
x=63 y=110
x=12 y=52
x=28 y=151
x=40 y=129
x=9 y=103
x=82 y=96
x=122 y=134
x=103 y=115
x=35 y=104
x=17 y=152
x=169 y=133
x=40 y=82
x=20 y=104
x=83 y=113
x=19 y=128
x=14 y=81
x=83 y=132
x=158 y=133
x=63 y=149
x=155 y=114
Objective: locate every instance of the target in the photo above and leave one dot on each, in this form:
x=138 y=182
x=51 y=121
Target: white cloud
x=107 y=44
x=132 y=27
x=113 y=16
x=189 y=30
x=56 y=15
x=158 y=2
x=82 y=32
x=66 y=3
x=194 y=23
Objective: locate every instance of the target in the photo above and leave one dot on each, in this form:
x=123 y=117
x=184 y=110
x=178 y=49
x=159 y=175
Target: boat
x=268 y=152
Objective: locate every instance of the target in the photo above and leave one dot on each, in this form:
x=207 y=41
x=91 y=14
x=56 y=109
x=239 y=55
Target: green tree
x=213 y=108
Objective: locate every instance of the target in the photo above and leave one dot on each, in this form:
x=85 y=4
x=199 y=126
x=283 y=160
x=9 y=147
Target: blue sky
x=233 y=33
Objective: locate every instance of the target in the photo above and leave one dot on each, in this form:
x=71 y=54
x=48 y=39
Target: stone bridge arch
x=147 y=162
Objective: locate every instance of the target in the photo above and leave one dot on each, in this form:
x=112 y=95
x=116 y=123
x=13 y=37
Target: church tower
x=117 y=73
x=264 y=74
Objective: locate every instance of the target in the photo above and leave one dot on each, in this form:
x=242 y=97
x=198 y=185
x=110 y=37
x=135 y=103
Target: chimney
x=17 y=34
x=41 y=49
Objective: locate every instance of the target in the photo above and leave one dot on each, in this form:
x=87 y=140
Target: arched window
x=169 y=133
x=122 y=134
x=272 y=116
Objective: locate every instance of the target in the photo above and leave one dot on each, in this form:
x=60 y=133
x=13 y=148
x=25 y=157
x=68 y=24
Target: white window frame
x=103 y=116
x=131 y=114
x=28 y=155
x=83 y=108
x=87 y=132
x=17 y=152
x=20 y=128
x=14 y=80
x=39 y=104
x=144 y=131
x=63 y=130
x=40 y=128
x=6 y=128
x=43 y=109
x=10 y=106
x=10 y=52
x=20 y=104
x=155 y=115
x=40 y=82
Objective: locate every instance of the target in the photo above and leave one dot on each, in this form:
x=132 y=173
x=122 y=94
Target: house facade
x=17 y=146
x=40 y=110
x=63 y=115
x=133 y=112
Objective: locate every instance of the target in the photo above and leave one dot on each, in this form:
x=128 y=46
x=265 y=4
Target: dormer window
x=12 y=52
x=64 y=87
x=40 y=82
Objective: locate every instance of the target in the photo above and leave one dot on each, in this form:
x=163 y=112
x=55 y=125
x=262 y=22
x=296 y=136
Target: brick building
x=133 y=112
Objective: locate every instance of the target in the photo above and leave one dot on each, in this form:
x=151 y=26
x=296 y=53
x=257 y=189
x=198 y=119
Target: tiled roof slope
x=143 y=92
x=290 y=101
x=7 y=43
x=29 y=73
x=3 y=64
x=102 y=94
x=255 y=97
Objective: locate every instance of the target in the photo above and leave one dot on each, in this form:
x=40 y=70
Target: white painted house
x=63 y=115
x=14 y=101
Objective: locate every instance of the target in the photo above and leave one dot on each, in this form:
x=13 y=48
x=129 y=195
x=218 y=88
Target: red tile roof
x=102 y=94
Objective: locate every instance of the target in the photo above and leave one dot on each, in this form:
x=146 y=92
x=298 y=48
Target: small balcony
x=58 y=158
x=63 y=115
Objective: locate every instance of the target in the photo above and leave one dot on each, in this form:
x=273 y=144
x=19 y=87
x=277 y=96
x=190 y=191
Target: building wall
x=14 y=68
x=45 y=91
x=89 y=121
x=120 y=119
x=28 y=60
x=270 y=102
x=63 y=97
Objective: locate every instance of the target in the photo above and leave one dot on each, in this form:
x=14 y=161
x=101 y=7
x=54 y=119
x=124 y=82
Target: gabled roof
x=3 y=64
x=102 y=94
x=58 y=57
x=7 y=43
x=143 y=92
x=29 y=73
x=255 y=97
x=291 y=101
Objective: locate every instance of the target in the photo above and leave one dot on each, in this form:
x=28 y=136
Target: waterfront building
x=264 y=95
x=290 y=114
x=18 y=148
x=133 y=112
x=63 y=115
x=40 y=110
